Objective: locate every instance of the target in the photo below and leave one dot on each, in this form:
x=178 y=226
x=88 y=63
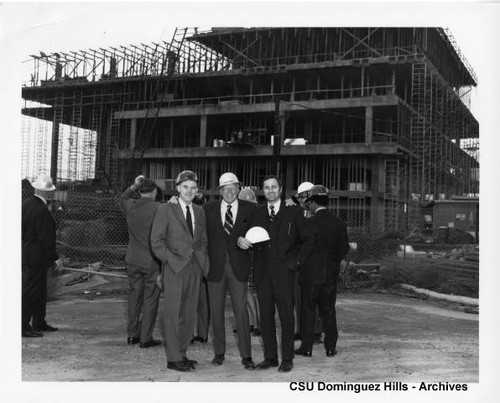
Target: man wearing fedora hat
x=179 y=241
x=227 y=219
x=38 y=255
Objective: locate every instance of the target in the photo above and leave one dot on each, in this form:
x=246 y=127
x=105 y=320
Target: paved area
x=383 y=337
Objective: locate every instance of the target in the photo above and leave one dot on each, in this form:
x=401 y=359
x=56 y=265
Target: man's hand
x=289 y=202
x=174 y=200
x=137 y=182
x=159 y=282
x=59 y=266
x=243 y=243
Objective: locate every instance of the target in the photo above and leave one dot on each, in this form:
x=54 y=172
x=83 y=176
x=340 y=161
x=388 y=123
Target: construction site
x=381 y=116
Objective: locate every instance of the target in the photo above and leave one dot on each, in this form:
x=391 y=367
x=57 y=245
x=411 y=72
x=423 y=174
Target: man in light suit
x=142 y=266
x=179 y=240
x=227 y=219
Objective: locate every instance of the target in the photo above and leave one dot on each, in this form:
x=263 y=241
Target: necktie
x=228 y=223
x=189 y=222
x=272 y=216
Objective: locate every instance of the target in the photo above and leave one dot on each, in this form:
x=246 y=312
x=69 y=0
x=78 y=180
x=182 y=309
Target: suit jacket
x=172 y=242
x=38 y=234
x=140 y=214
x=220 y=243
x=330 y=246
x=291 y=240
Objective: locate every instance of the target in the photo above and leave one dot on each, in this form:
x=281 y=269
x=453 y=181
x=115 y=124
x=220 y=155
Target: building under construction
x=378 y=115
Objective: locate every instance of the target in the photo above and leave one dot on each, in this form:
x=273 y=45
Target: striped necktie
x=228 y=223
x=272 y=216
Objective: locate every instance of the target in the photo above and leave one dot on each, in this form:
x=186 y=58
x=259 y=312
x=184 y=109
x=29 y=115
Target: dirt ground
x=383 y=336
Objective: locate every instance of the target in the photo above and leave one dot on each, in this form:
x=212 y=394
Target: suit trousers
x=321 y=297
x=217 y=297
x=276 y=288
x=180 y=300
x=203 y=310
x=34 y=296
x=143 y=299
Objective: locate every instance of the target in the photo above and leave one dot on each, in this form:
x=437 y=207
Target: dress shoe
x=133 y=340
x=45 y=328
x=267 y=363
x=200 y=339
x=248 y=363
x=296 y=336
x=218 y=359
x=178 y=366
x=331 y=353
x=190 y=363
x=286 y=366
x=317 y=339
x=150 y=343
x=303 y=351
x=31 y=333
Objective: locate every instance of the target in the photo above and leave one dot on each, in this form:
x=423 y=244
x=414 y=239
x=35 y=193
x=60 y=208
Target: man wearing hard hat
x=38 y=255
x=275 y=264
x=227 y=219
x=318 y=275
x=179 y=240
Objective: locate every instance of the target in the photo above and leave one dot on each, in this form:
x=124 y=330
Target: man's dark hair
x=321 y=200
x=146 y=186
x=271 y=177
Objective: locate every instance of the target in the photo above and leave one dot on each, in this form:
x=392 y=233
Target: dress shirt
x=276 y=207
x=223 y=209
x=183 y=208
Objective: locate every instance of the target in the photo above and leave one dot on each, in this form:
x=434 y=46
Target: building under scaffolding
x=378 y=115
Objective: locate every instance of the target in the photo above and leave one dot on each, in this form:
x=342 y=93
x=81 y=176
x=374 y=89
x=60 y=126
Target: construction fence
x=440 y=254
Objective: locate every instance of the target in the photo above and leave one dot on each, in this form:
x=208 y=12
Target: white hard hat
x=257 y=234
x=248 y=195
x=228 y=178
x=304 y=187
x=43 y=182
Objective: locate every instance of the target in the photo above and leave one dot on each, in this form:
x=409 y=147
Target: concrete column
x=369 y=124
x=133 y=132
x=214 y=177
x=203 y=130
x=377 y=187
x=54 y=151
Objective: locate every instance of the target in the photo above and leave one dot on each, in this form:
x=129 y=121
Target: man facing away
x=38 y=255
x=142 y=266
x=319 y=274
x=227 y=219
x=179 y=241
x=275 y=264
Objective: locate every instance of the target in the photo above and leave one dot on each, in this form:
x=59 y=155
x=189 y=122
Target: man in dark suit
x=142 y=266
x=318 y=276
x=227 y=219
x=275 y=263
x=38 y=255
x=179 y=240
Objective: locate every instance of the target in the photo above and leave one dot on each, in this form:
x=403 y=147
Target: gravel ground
x=382 y=337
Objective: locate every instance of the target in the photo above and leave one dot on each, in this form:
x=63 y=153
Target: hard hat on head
x=44 y=183
x=257 y=234
x=304 y=187
x=317 y=191
x=228 y=178
x=248 y=195
x=186 y=176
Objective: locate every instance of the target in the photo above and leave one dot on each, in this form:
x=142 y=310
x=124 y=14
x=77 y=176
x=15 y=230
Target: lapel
x=197 y=221
x=180 y=216
x=281 y=214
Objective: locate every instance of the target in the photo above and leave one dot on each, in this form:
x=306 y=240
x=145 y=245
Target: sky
x=27 y=28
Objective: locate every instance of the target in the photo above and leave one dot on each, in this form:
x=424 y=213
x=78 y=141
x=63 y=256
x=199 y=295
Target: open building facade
x=378 y=115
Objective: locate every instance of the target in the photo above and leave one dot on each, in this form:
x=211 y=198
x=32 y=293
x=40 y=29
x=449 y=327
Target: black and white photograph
x=277 y=199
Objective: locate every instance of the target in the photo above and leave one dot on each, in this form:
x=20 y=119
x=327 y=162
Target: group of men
x=187 y=242
x=174 y=245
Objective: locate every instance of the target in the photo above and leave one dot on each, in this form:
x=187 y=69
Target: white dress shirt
x=223 y=209
x=183 y=207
